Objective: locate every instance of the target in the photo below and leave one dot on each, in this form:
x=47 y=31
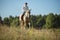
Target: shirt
x=25 y=8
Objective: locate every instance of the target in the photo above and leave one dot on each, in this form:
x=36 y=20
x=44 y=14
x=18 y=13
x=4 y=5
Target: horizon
x=39 y=7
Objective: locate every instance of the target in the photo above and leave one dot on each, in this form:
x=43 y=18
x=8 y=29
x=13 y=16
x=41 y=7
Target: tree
x=41 y=21
x=33 y=20
x=0 y=20
x=6 y=21
x=50 y=20
x=57 y=21
x=15 y=21
x=11 y=19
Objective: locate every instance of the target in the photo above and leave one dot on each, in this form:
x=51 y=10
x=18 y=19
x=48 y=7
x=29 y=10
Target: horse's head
x=27 y=14
x=28 y=11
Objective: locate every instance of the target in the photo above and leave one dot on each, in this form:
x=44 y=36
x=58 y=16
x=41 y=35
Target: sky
x=43 y=7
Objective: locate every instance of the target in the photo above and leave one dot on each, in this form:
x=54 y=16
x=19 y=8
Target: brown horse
x=25 y=20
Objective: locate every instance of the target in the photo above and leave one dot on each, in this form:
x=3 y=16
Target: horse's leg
x=21 y=24
x=24 y=25
x=29 y=24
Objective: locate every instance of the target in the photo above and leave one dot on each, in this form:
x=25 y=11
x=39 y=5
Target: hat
x=26 y=3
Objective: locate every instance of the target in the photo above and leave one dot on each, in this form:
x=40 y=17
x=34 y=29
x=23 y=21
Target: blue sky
x=43 y=7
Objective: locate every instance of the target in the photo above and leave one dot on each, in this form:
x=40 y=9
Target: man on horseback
x=25 y=17
x=25 y=8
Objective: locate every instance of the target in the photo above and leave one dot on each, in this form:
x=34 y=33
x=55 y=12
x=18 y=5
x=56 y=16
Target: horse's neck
x=27 y=14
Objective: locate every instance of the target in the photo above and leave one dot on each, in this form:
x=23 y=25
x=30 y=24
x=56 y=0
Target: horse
x=25 y=20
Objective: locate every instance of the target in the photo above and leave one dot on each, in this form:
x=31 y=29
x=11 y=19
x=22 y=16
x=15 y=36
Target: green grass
x=15 y=33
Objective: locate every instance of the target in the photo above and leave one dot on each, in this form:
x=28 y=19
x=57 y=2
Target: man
x=25 y=8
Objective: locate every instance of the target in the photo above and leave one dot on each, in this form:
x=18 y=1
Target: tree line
x=37 y=21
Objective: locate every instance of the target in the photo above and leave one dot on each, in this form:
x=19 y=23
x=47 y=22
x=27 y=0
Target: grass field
x=15 y=33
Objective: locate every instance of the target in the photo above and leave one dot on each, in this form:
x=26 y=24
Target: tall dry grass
x=15 y=33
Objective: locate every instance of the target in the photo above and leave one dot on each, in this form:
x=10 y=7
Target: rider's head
x=26 y=4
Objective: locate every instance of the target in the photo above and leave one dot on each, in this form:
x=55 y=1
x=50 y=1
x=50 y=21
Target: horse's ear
x=30 y=10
